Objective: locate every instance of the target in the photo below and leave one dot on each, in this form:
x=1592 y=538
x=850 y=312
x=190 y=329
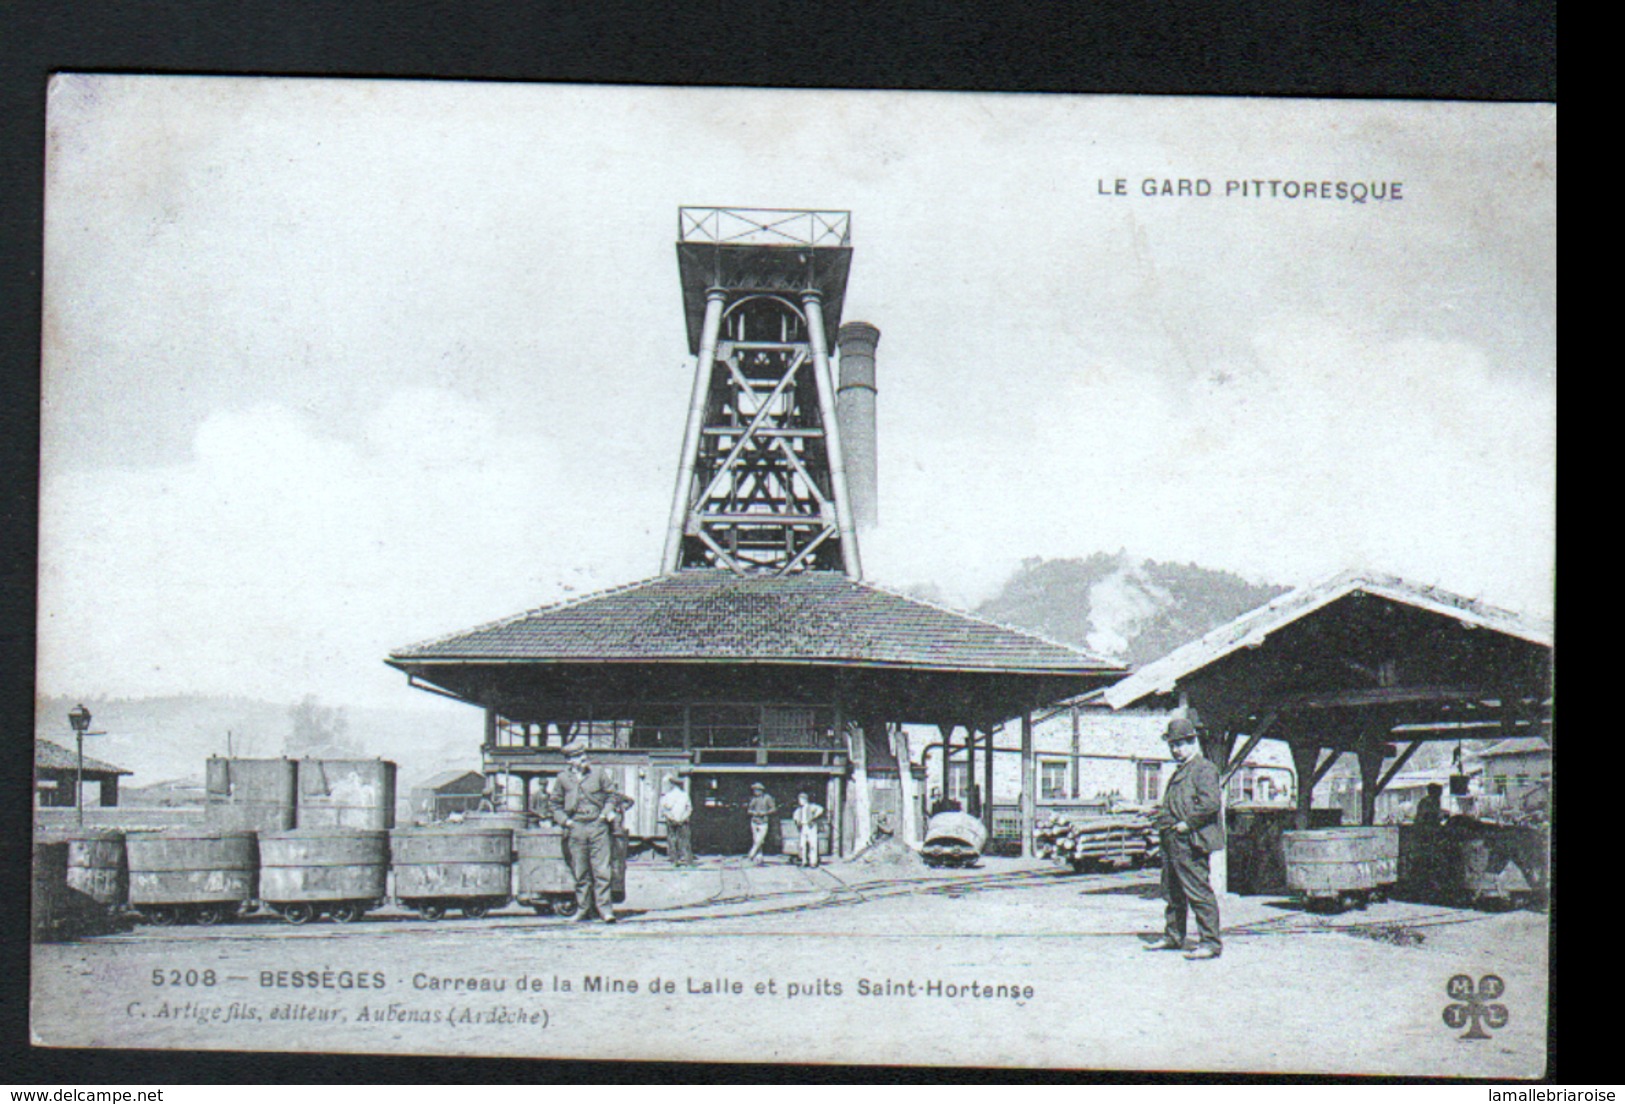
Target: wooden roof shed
x=669 y=654
x=55 y=768
x=1362 y=664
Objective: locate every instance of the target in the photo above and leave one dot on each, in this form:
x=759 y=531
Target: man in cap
x=1192 y=828
x=676 y=809
x=582 y=800
x=1430 y=810
x=761 y=808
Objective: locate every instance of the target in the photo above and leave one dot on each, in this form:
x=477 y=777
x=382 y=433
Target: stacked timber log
x=1124 y=838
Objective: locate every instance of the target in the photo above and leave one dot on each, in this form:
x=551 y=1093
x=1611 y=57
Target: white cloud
x=282 y=560
x=1333 y=450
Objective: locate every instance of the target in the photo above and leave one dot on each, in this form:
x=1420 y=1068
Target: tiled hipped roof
x=49 y=756
x=711 y=615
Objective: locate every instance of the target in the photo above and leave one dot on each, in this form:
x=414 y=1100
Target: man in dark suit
x=1192 y=828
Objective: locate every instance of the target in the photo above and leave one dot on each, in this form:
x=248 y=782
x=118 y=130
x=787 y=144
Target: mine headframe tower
x=761 y=484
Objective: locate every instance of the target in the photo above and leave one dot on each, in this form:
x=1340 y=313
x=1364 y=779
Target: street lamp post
x=79 y=718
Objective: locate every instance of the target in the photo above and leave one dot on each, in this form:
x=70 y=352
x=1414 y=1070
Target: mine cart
x=97 y=867
x=81 y=882
x=511 y=819
x=790 y=837
x=346 y=793
x=1339 y=866
x=1469 y=862
x=51 y=899
x=1255 y=857
x=250 y=795
x=339 y=873
x=542 y=875
x=190 y=874
x=1504 y=864
x=953 y=839
x=81 y=885
x=454 y=867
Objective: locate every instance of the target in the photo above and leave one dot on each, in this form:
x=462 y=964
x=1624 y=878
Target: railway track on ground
x=825 y=889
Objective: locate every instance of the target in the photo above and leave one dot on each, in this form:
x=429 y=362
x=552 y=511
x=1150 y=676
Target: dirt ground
x=1015 y=962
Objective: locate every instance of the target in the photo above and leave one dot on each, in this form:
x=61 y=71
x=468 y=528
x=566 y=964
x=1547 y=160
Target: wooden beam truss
x=760 y=491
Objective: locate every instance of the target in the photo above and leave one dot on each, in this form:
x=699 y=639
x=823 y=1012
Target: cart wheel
x=163 y=916
x=476 y=910
x=209 y=915
x=432 y=912
x=564 y=906
x=543 y=908
x=346 y=913
x=298 y=913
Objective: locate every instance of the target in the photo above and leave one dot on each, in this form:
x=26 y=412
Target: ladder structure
x=761 y=483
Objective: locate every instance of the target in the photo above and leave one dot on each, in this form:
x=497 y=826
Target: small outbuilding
x=454 y=791
x=56 y=770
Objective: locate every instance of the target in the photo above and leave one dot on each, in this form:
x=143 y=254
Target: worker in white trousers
x=806 y=817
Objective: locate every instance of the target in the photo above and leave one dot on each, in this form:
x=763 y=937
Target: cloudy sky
x=334 y=366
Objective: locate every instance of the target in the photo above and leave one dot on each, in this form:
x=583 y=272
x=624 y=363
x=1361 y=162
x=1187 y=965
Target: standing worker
x=1191 y=826
x=761 y=808
x=582 y=799
x=807 y=816
x=676 y=809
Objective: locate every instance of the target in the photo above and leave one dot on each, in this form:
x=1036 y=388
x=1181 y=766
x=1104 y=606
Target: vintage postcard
x=796 y=576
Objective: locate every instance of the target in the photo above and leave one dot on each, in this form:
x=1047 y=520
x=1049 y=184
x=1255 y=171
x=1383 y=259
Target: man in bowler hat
x=582 y=800
x=1191 y=824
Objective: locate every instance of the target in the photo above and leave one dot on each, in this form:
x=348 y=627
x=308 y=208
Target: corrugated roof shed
x=1253 y=628
x=49 y=756
x=715 y=616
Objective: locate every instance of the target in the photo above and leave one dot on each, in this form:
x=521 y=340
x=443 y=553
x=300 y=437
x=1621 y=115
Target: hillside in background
x=1121 y=607
x=169 y=738
x=1129 y=609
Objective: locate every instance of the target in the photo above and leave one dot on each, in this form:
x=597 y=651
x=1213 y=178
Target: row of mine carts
x=208 y=876
x=1461 y=863
x=1464 y=863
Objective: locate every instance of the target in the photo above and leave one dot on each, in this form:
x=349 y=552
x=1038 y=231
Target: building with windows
x=1512 y=768
x=1089 y=757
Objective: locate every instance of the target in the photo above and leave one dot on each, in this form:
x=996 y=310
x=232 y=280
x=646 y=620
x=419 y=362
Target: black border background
x=1503 y=50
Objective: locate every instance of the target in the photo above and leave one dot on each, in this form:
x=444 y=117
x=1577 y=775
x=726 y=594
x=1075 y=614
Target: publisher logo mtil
x=1475 y=1006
